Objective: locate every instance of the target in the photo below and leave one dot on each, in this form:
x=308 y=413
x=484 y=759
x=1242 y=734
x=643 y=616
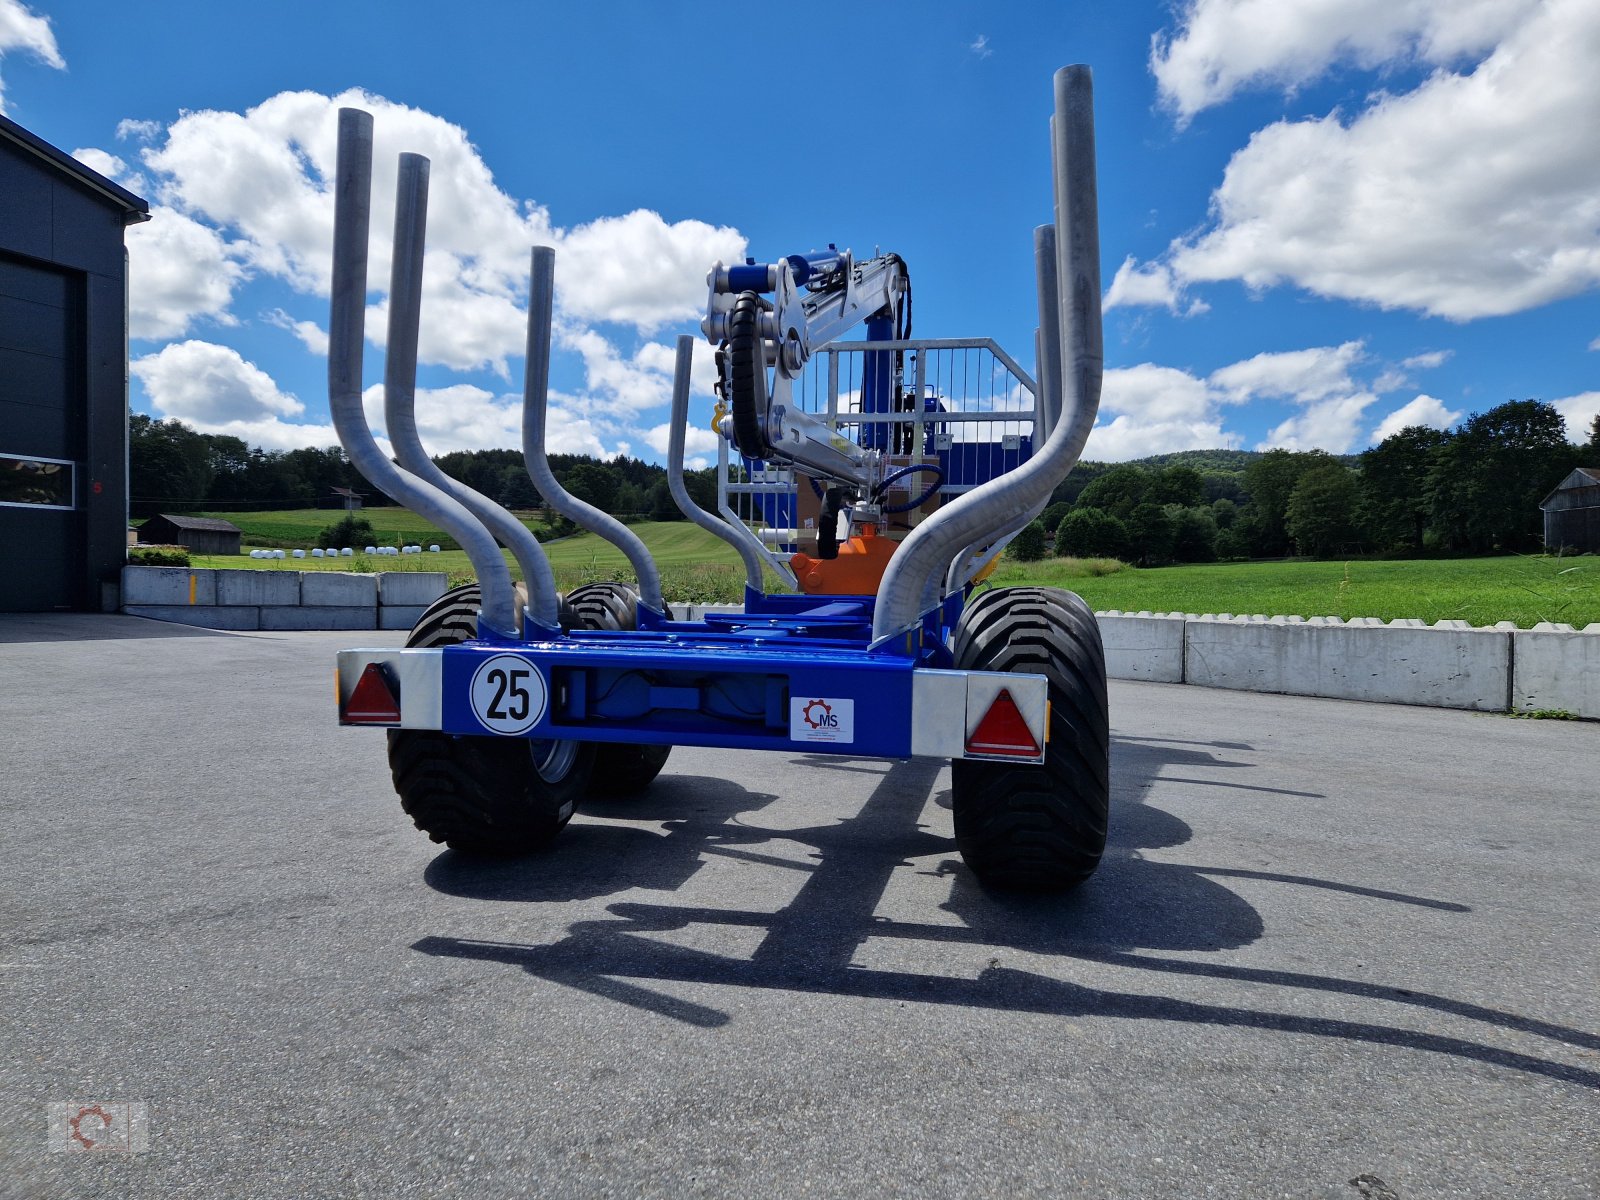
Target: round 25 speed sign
x=508 y=694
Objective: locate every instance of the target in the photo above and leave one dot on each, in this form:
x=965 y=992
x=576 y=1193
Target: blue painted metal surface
x=730 y=680
x=739 y=682
x=877 y=383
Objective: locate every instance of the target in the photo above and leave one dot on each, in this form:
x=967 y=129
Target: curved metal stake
x=1047 y=411
x=934 y=543
x=352 y=216
x=679 y=421
x=400 y=397
x=535 y=400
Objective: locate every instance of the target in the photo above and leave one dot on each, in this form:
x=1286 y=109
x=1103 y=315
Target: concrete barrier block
x=697 y=612
x=1557 y=667
x=306 y=616
x=1447 y=668
x=410 y=588
x=168 y=585
x=206 y=616
x=400 y=616
x=258 y=587
x=343 y=589
x=1143 y=646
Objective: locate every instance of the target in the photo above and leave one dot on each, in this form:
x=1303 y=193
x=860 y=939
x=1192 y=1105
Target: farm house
x=203 y=535
x=1572 y=512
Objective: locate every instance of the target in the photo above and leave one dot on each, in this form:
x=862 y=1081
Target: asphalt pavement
x=1335 y=950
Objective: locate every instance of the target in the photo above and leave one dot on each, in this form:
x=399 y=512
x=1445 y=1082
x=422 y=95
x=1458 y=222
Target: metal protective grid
x=977 y=417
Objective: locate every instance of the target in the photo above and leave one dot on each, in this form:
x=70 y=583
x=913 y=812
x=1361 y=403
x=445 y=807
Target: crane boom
x=814 y=299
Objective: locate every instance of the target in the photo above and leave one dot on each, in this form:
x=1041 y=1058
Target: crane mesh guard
x=975 y=422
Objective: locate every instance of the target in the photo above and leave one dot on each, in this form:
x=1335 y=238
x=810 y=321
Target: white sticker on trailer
x=822 y=719
x=508 y=694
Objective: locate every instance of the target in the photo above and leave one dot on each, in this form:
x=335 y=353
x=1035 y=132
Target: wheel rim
x=553 y=760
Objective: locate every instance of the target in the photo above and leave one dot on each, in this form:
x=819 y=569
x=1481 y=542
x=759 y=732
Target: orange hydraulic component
x=856 y=572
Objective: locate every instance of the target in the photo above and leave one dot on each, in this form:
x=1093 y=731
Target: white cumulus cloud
x=1302 y=375
x=206 y=384
x=1579 y=412
x=313 y=336
x=215 y=390
x=640 y=270
x=108 y=165
x=1319 y=380
x=179 y=272
x=264 y=176
x=1332 y=425
x=1136 y=283
x=22 y=29
x=699 y=443
x=1152 y=409
x=1474 y=194
x=1226 y=45
x=1424 y=410
x=466 y=417
x=1155 y=409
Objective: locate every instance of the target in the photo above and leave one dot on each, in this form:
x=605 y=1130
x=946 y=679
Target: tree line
x=173 y=468
x=1472 y=490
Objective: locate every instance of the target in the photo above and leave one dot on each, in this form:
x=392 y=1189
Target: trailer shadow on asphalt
x=1132 y=907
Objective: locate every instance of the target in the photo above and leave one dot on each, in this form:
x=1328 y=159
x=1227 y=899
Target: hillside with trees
x=1472 y=490
x=174 y=469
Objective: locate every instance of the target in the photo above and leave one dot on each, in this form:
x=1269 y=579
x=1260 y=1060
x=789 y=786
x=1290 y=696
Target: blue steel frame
x=726 y=681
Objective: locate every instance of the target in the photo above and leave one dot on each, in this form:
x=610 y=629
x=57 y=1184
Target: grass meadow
x=698 y=568
x=1480 y=591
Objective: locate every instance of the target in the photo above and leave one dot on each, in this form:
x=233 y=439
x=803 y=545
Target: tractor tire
x=1026 y=826
x=620 y=769
x=483 y=795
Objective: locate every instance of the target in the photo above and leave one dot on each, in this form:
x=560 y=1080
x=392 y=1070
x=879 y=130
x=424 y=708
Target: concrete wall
x=280 y=600
x=1557 y=667
x=1447 y=665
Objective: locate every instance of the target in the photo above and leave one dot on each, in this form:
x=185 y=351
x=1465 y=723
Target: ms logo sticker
x=821 y=719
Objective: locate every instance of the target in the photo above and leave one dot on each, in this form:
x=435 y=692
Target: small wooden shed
x=203 y=535
x=1572 y=513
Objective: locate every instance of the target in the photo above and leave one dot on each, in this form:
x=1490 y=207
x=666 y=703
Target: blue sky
x=1320 y=220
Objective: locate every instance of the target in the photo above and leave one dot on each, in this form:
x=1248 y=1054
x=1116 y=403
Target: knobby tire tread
x=1026 y=826
x=478 y=795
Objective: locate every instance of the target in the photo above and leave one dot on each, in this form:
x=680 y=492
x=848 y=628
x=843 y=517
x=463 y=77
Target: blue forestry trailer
x=875 y=481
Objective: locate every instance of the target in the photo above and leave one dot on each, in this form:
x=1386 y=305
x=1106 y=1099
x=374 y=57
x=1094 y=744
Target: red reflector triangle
x=373 y=702
x=1003 y=730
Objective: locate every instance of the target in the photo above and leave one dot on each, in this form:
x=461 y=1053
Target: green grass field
x=1481 y=591
x=299 y=527
x=695 y=567
x=698 y=568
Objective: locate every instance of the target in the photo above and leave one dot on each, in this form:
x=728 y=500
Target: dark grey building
x=1572 y=513
x=63 y=376
x=203 y=535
